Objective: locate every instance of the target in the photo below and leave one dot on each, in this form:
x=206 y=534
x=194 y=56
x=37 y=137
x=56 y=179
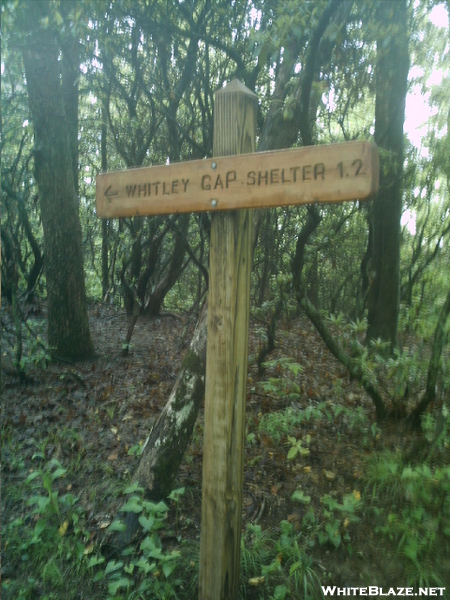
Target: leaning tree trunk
x=315 y=317
x=391 y=87
x=68 y=325
x=165 y=446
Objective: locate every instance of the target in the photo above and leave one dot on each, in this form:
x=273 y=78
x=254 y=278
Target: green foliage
x=281 y=423
x=336 y=519
x=437 y=430
x=50 y=538
x=276 y=565
x=284 y=386
x=284 y=423
x=416 y=519
x=299 y=496
x=399 y=374
x=297 y=447
x=150 y=570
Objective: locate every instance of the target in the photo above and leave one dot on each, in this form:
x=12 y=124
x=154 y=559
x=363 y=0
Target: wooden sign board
x=328 y=173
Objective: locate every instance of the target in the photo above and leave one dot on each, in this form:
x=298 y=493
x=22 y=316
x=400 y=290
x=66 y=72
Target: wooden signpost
x=229 y=185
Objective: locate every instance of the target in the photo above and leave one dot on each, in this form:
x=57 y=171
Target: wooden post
x=226 y=361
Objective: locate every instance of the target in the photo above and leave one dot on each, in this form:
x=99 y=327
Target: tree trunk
x=165 y=446
x=391 y=87
x=68 y=325
x=163 y=287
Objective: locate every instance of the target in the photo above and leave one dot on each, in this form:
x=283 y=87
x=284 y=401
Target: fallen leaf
x=89 y=548
x=114 y=430
x=255 y=581
x=62 y=530
x=113 y=456
x=294 y=518
x=329 y=475
x=274 y=489
x=104 y=524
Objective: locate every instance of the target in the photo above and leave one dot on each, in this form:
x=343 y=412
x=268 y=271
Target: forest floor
x=89 y=415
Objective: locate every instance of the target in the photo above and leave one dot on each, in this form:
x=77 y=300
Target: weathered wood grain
x=328 y=173
x=226 y=362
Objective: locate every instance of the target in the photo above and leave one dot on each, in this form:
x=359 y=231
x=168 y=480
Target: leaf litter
x=89 y=415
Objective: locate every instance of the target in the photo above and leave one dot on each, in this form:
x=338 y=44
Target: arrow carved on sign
x=109 y=194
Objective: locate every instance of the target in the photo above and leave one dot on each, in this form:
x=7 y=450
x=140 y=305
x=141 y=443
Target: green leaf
x=280 y=592
x=134 y=504
x=58 y=18
x=39 y=527
x=145 y=566
x=292 y=453
x=411 y=549
x=156 y=553
x=168 y=568
x=134 y=487
x=295 y=567
x=299 y=496
x=175 y=494
x=113 y=566
x=32 y=476
x=294 y=368
x=59 y=473
x=95 y=560
x=42 y=503
x=147 y=524
x=117 y=525
x=47 y=482
x=161 y=507
x=120 y=583
x=334 y=537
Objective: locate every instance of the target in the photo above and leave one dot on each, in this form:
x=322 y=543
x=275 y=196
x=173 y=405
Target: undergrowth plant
x=276 y=565
x=411 y=507
x=49 y=540
x=336 y=519
x=150 y=569
x=285 y=383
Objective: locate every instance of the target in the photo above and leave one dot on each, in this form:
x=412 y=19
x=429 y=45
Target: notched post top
x=235 y=119
x=236 y=86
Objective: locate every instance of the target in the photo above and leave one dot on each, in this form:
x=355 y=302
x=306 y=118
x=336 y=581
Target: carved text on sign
x=332 y=173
